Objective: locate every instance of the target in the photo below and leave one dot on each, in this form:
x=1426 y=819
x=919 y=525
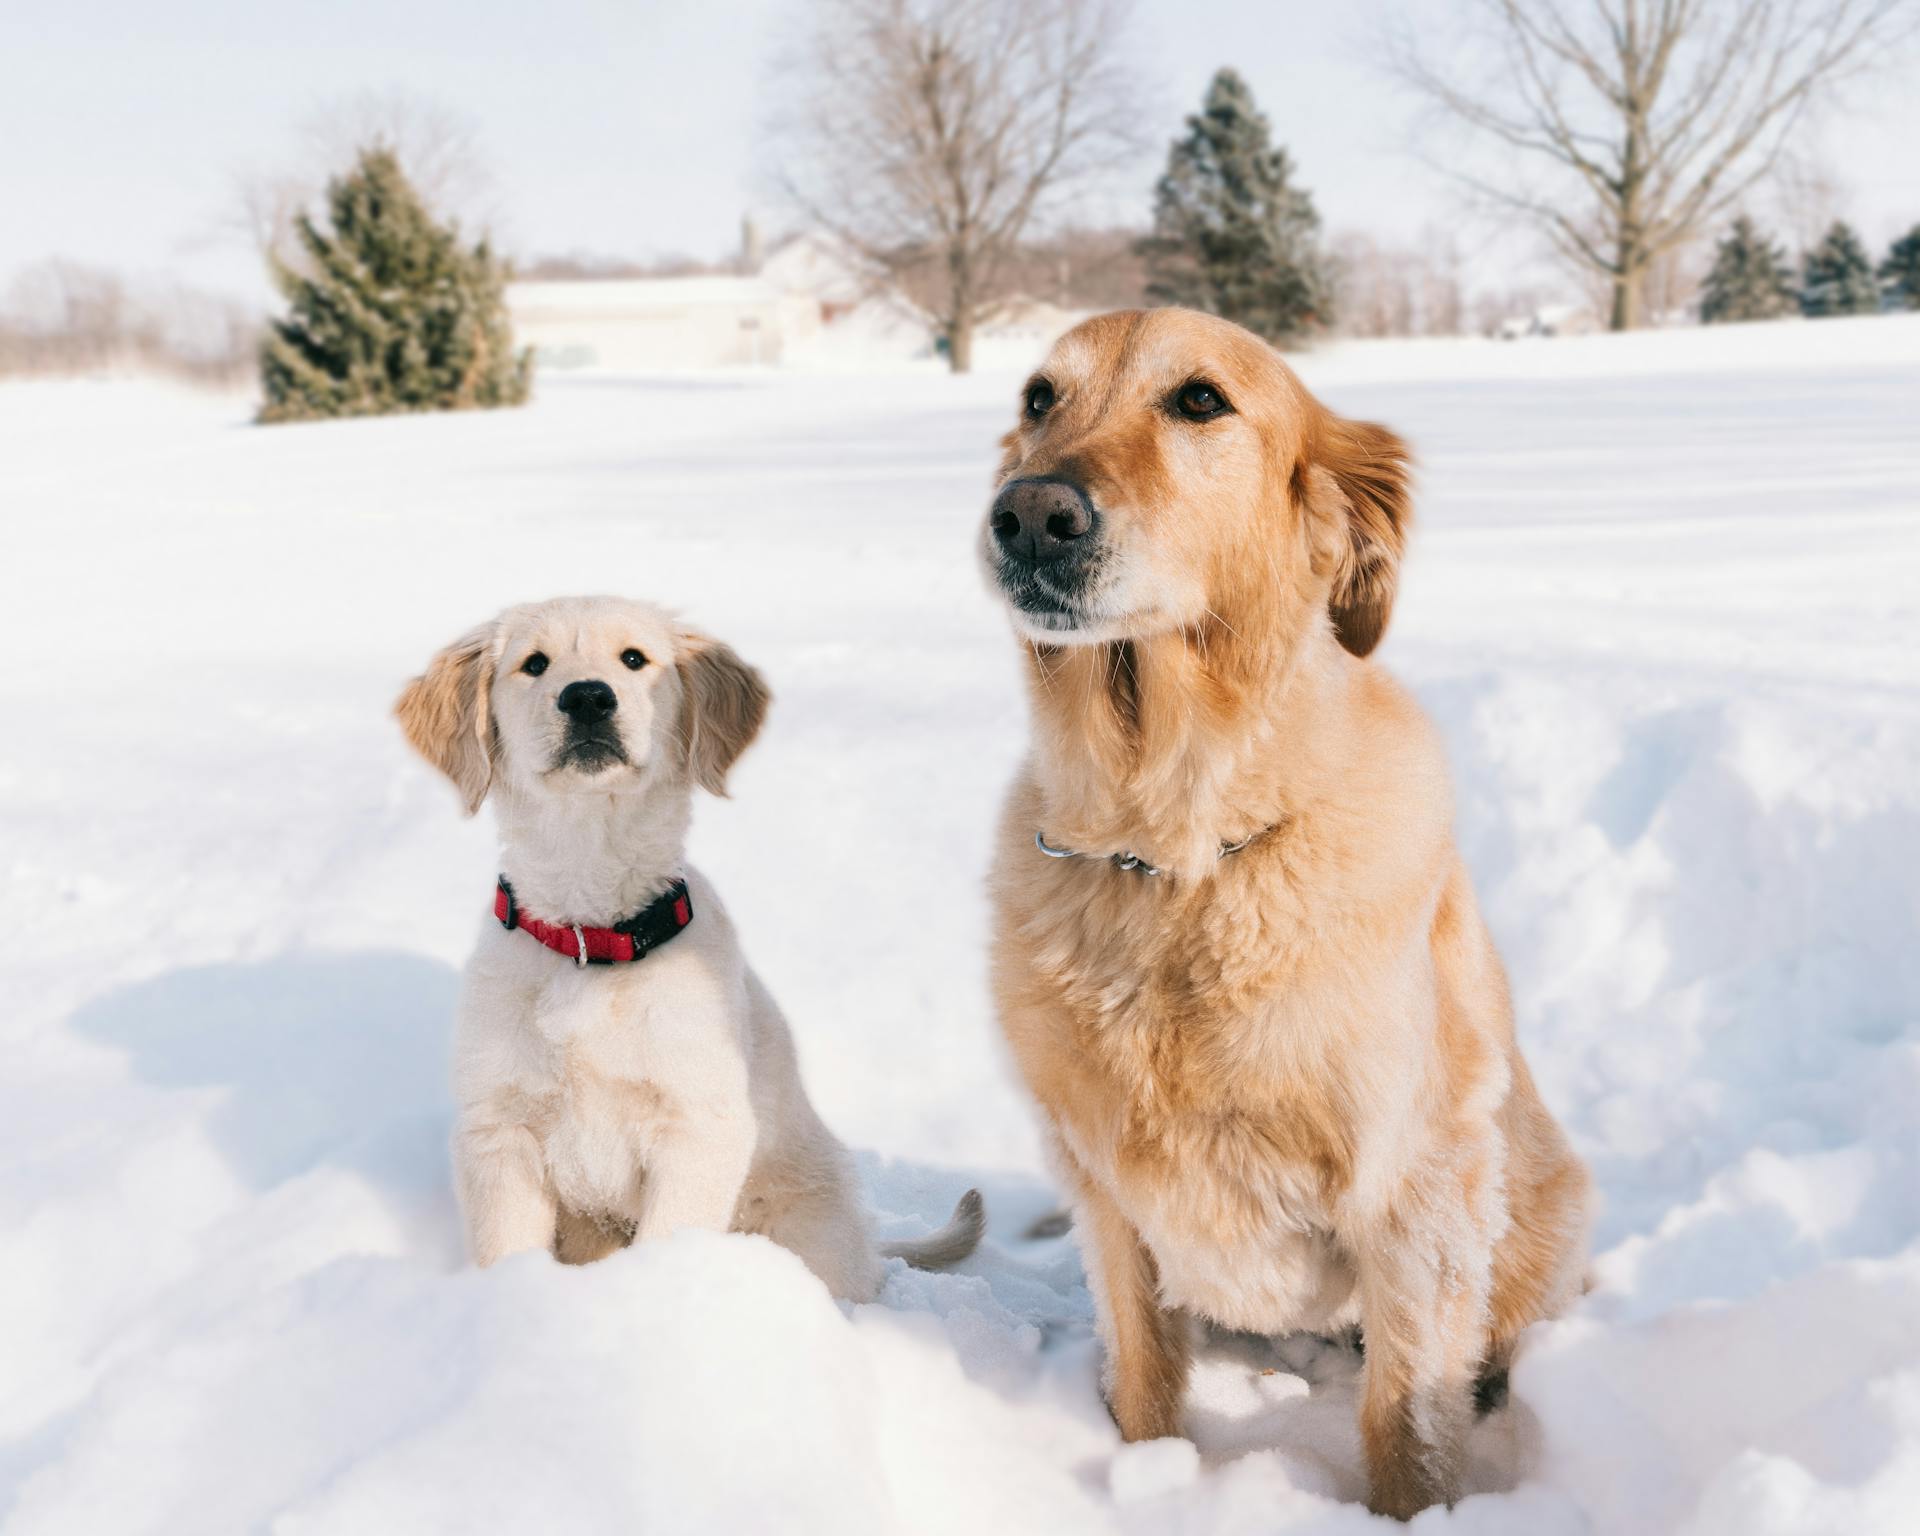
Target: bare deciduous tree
x=61 y=317
x=930 y=135
x=1807 y=197
x=1082 y=268
x=1647 y=120
x=439 y=148
x=1389 y=288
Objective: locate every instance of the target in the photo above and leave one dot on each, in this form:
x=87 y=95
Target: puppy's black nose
x=587 y=702
x=1041 y=520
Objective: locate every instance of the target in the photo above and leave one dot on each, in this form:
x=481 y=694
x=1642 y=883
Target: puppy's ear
x=1355 y=484
x=723 y=702
x=447 y=718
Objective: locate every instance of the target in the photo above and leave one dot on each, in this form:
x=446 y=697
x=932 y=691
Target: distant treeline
x=64 y=318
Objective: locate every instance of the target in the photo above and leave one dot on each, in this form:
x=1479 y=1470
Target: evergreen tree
x=1231 y=234
x=1750 y=279
x=1900 y=272
x=1838 y=277
x=388 y=310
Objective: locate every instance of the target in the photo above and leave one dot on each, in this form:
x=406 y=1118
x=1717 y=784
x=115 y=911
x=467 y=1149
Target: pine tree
x=388 y=310
x=1900 y=272
x=1231 y=234
x=1750 y=280
x=1838 y=277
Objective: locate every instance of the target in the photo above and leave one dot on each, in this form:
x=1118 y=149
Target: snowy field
x=1664 y=600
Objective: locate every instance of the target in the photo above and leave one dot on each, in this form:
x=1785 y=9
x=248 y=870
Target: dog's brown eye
x=632 y=659
x=1039 y=398
x=1200 y=402
x=535 y=664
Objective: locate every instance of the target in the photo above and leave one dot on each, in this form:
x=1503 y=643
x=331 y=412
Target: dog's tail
x=952 y=1243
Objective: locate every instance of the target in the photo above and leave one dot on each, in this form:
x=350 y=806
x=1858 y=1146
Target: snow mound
x=1661 y=603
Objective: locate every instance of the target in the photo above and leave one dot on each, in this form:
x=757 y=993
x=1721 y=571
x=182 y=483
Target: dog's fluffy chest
x=597 y=1101
x=594 y=1062
x=1272 y=1277
x=1197 y=1088
x=1235 y=1201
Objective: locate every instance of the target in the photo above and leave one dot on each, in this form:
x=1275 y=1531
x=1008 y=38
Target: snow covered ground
x=1665 y=601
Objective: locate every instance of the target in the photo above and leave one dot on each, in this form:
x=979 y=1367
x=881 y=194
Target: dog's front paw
x=1142 y=1414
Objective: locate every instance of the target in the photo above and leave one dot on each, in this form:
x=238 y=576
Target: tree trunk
x=1629 y=257
x=961 y=277
x=1626 y=302
x=960 y=343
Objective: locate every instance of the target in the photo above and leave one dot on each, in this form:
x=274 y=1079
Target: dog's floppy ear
x=723 y=702
x=1354 y=482
x=447 y=718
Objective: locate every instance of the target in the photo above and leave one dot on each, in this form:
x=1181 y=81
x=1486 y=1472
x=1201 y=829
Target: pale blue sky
x=629 y=128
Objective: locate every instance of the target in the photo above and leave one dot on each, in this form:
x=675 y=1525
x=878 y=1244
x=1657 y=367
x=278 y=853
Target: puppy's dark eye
x=1039 y=399
x=535 y=664
x=632 y=659
x=1199 y=401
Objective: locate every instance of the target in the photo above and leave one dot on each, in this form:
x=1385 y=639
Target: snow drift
x=1662 y=601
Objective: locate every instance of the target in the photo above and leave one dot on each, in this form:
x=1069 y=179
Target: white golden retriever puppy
x=620 y=1070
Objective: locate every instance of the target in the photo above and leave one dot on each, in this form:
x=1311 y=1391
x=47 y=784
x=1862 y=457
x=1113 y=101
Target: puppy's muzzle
x=592 y=739
x=586 y=703
x=1046 y=533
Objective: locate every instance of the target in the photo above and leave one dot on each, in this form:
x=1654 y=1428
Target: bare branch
x=931 y=137
x=1649 y=118
x=439 y=148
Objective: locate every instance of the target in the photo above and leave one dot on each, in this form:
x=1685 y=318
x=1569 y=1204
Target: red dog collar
x=632 y=938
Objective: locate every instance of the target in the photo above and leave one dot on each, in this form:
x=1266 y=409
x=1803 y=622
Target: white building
x=809 y=293
x=669 y=323
x=810 y=263
x=660 y=323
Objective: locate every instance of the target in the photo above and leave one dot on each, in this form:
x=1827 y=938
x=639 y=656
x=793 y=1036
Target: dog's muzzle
x=592 y=740
x=590 y=750
x=1046 y=539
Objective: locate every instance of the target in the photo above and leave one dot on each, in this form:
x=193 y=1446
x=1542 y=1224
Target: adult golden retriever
x=1239 y=959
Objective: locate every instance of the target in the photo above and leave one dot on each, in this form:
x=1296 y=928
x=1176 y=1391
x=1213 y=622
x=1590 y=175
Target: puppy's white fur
x=634 y=1099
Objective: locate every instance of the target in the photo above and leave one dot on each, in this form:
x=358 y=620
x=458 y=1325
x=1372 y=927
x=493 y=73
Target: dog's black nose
x=587 y=702
x=1041 y=520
